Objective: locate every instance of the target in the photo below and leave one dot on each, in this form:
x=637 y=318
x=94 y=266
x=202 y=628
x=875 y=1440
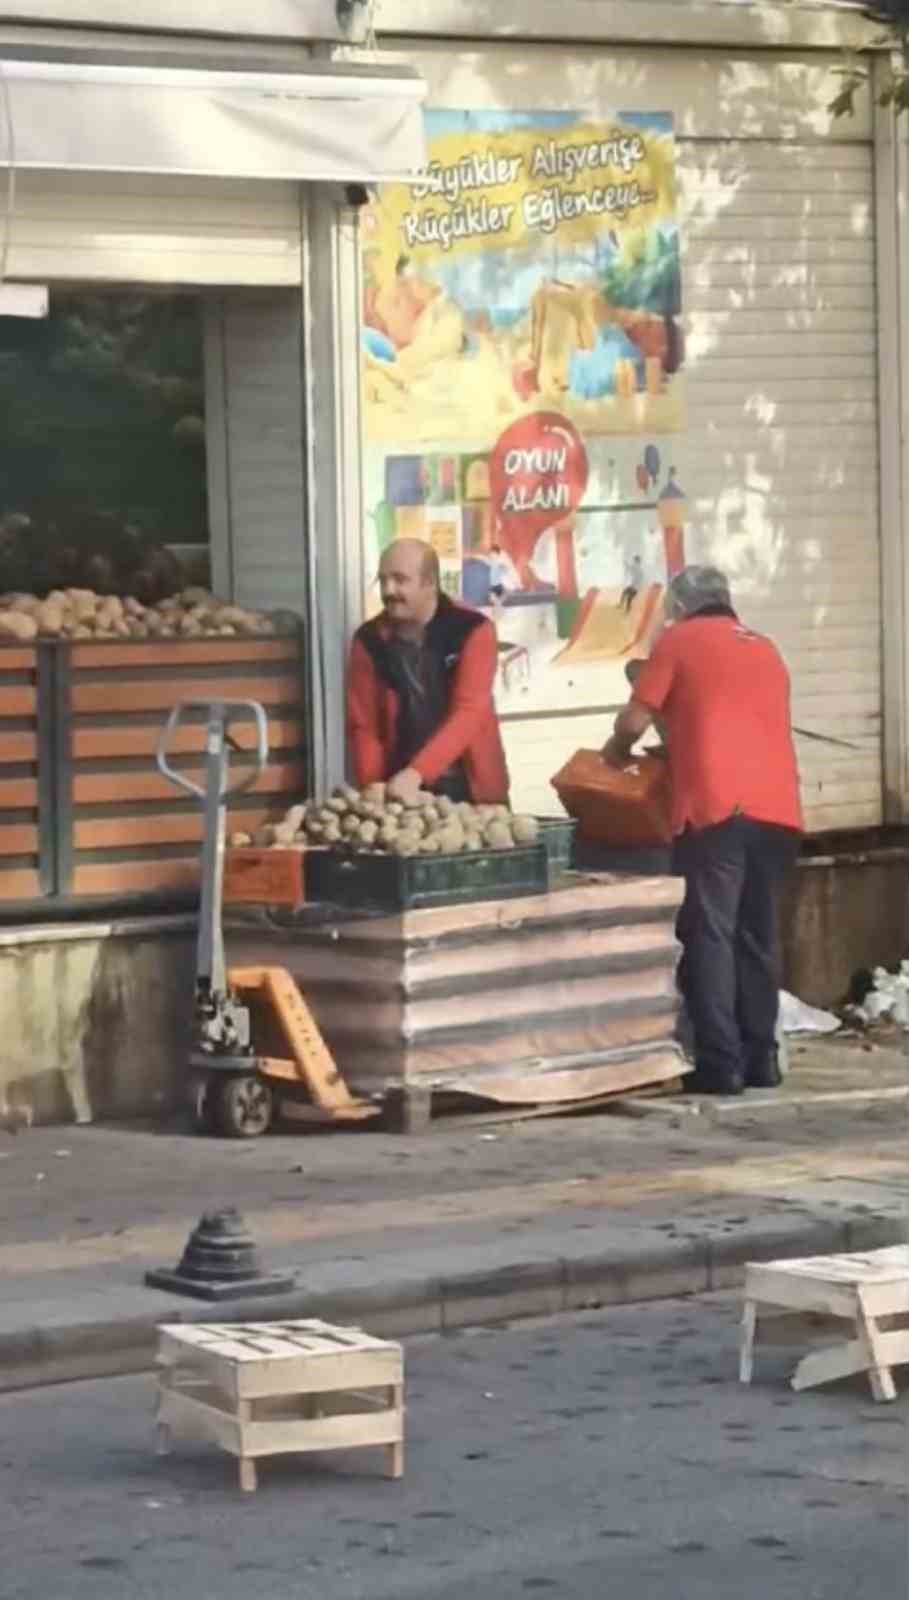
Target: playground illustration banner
x=523 y=379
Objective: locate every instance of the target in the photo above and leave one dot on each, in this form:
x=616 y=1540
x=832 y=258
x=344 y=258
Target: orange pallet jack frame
x=233 y=1086
x=311 y=1062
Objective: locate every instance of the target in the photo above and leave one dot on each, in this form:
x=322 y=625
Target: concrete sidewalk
x=473 y=1223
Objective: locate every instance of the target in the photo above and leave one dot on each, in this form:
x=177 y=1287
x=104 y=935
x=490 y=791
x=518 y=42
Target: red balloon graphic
x=537 y=477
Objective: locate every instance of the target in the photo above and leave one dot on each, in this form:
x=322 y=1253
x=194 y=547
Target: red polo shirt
x=723 y=693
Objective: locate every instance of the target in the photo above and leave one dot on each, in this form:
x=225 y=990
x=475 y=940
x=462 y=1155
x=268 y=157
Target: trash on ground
x=888 y=997
x=797 y=1017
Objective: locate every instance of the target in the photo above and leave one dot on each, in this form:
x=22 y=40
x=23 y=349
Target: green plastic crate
x=412 y=883
x=557 y=838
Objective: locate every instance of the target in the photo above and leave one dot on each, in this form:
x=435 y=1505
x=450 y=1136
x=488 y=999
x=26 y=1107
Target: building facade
x=788 y=441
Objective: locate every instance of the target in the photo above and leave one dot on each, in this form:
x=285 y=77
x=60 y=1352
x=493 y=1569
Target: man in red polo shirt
x=721 y=693
x=420 y=709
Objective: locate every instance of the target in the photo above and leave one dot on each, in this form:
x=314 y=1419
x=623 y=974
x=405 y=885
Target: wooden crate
x=278 y=1388
x=84 y=814
x=25 y=702
x=858 y=1289
x=272 y=877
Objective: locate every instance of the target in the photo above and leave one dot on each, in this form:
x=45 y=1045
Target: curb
x=688 y=1264
x=756 y=1103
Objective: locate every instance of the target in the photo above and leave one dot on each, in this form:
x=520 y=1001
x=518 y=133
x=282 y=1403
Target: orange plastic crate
x=625 y=808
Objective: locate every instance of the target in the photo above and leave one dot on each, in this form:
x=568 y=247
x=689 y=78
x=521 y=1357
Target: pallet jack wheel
x=240 y=1106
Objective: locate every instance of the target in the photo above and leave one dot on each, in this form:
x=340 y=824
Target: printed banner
x=523 y=376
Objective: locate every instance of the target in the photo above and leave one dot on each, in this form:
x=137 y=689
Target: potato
x=525 y=830
x=295 y=817
x=369 y=832
x=405 y=845
x=49 y=617
x=338 y=806
x=473 y=841
x=498 y=836
x=350 y=825
x=283 y=833
x=240 y=841
x=17 y=625
x=451 y=839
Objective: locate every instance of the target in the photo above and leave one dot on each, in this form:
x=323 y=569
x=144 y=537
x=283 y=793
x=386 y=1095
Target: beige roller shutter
x=256 y=447
x=116 y=229
x=780 y=302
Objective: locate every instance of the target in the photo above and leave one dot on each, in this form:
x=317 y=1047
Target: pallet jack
x=233 y=1089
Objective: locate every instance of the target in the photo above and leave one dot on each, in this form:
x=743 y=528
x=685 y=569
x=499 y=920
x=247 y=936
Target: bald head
x=409 y=581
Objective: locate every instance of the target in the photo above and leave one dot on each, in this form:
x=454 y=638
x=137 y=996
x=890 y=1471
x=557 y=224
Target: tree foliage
x=892 y=16
x=102 y=414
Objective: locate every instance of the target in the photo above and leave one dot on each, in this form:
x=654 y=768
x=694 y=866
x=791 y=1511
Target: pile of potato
x=363 y=821
x=83 y=614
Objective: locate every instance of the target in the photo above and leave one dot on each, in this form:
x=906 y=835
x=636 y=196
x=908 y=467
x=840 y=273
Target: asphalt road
x=609 y=1455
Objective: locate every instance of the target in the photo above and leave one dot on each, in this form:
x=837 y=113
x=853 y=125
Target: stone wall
x=95 y=1019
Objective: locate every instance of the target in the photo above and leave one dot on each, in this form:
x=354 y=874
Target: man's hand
x=615 y=754
x=404 y=786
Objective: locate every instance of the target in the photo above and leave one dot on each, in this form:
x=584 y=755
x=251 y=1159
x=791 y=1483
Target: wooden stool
x=271 y=1388
x=858 y=1288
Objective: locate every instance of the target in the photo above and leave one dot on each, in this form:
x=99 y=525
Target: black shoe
x=764 y=1074
x=701 y=1082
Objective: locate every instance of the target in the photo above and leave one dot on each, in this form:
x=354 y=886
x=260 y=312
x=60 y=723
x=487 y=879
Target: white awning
x=335 y=122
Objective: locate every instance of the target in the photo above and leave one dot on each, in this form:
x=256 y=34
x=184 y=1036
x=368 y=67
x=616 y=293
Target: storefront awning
x=335 y=122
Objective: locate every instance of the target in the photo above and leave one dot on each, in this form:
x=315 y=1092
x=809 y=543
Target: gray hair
x=697 y=589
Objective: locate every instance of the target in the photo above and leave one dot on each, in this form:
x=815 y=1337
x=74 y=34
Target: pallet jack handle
x=211 y=973
x=219 y=715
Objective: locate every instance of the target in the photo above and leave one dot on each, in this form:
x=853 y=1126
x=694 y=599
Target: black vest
x=444 y=638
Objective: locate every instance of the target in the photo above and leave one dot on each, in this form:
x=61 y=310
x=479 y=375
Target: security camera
x=357 y=195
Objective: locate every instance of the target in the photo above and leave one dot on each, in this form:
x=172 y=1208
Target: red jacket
x=467 y=648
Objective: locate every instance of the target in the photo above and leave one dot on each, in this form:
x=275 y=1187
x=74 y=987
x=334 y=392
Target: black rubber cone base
x=233 y=1289
x=220 y=1262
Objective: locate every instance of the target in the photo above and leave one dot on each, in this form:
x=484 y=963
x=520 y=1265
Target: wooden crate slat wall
x=84 y=813
x=20 y=830
x=131 y=830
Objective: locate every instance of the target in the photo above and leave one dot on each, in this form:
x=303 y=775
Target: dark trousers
x=729 y=974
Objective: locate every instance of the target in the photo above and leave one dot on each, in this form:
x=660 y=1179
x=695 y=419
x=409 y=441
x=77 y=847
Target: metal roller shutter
x=256 y=450
x=781 y=458
x=115 y=229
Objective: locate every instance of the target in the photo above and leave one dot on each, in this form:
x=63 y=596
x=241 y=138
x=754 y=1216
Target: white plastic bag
x=797 y=1017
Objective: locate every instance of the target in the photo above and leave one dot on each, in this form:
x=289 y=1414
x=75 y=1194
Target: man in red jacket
x=721 y=693
x=420 y=710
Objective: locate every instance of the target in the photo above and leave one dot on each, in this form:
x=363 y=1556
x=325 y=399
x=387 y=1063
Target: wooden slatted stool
x=860 y=1289
x=272 y=1388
